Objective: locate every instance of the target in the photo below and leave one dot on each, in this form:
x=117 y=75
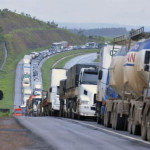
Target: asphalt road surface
x=68 y=134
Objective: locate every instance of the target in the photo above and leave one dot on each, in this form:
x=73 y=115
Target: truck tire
x=144 y=129
x=107 y=117
x=98 y=118
x=130 y=126
x=135 y=127
x=118 y=121
x=148 y=126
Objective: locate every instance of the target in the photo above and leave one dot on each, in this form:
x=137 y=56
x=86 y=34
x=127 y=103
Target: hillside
x=23 y=34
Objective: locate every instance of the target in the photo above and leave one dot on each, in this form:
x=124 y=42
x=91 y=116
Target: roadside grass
x=7 y=78
x=52 y=60
x=4 y=114
x=62 y=63
x=97 y=59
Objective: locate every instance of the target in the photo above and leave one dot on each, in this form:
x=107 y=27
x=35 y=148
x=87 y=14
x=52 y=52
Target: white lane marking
x=125 y=136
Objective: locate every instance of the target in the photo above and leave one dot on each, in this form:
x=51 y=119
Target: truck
x=32 y=105
x=26 y=69
x=62 y=98
x=27 y=59
x=25 y=83
x=80 y=91
x=37 y=85
x=103 y=89
x=27 y=92
x=51 y=105
x=26 y=77
x=129 y=77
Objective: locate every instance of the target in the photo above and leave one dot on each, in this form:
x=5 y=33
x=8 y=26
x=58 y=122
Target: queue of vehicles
x=116 y=91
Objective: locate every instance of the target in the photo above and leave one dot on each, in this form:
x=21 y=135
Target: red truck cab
x=18 y=112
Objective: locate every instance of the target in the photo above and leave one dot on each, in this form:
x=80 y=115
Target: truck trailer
x=51 y=105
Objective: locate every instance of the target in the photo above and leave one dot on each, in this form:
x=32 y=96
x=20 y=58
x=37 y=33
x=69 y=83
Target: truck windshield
x=89 y=78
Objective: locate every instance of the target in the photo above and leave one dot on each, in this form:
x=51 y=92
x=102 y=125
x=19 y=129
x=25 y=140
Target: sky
x=127 y=12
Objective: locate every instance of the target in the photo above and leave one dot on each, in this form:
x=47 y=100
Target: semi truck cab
x=87 y=89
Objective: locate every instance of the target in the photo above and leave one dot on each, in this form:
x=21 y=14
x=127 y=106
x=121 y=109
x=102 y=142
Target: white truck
x=26 y=84
x=27 y=59
x=27 y=91
x=37 y=85
x=26 y=69
x=52 y=104
x=80 y=92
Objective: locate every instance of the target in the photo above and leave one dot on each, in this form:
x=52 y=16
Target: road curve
x=88 y=58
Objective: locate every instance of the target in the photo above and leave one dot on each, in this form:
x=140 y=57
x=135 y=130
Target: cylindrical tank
x=135 y=78
x=116 y=71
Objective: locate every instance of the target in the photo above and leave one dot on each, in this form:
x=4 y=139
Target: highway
x=68 y=134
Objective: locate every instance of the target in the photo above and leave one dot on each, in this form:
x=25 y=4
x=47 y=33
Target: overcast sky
x=128 y=12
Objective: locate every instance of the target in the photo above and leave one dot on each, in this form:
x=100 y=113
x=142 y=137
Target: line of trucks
x=29 y=87
x=116 y=91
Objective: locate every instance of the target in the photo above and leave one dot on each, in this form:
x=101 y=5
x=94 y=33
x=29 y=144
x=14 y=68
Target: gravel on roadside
x=15 y=137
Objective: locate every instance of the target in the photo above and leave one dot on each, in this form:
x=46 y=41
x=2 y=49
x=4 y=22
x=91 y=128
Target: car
x=18 y=112
x=35 y=73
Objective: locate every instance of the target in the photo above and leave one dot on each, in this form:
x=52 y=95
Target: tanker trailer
x=136 y=69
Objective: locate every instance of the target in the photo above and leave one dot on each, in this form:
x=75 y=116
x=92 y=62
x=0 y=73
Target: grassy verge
x=49 y=63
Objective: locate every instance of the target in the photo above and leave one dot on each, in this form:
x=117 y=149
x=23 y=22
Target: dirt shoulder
x=15 y=137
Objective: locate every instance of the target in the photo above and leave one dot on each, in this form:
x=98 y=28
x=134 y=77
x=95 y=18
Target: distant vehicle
x=23 y=107
x=38 y=93
x=32 y=104
x=37 y=85
x=18 y=112
x=26 y=84
x=26 y=77
x=56 y=47
x=27 y=59
x=91 y=45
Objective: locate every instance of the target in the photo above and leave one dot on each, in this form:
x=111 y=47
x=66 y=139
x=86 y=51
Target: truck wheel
x=107 y=119
x=148 y=126
x=118 y=121
x=135 y=127
x=130 y=127
x=98 y=118
x=144 y=129
x=73 y=114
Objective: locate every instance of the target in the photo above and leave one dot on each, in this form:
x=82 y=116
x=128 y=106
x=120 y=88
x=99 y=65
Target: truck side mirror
x=50 y=90
x=100 y=75
x=147 y=57
x=1 y=95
